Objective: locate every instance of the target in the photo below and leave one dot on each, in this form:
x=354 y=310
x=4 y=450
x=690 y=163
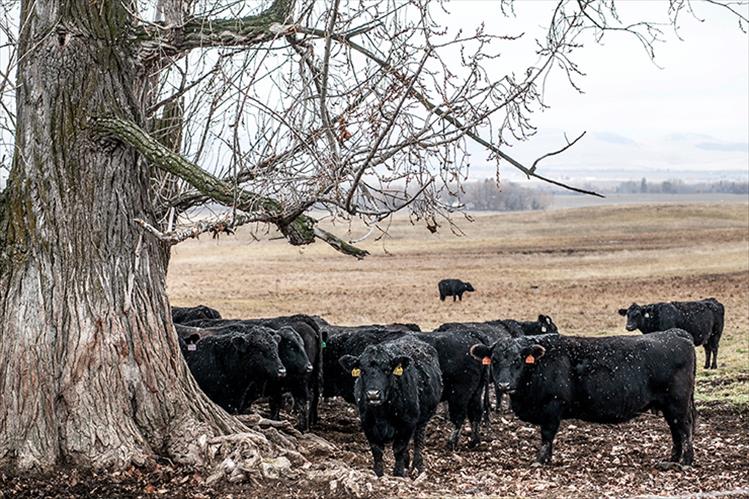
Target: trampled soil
x=589 y=461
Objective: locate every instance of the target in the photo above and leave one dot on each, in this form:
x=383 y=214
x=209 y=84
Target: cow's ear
x=192 y=339
x=276 y=338
x=349 y=362
x=399 y=364
x=623 y=312
x=480 y=351
x=532 y=353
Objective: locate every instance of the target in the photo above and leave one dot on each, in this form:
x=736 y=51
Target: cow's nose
x=373 y=394
x=631 y=327
x=309 y=368
x=503 y=386
x=281 y=372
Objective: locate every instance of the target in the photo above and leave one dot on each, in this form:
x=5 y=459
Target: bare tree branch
x=558 y=151
x=447 y=115
x=298 y=228
x=225 y=225
x=158 y=40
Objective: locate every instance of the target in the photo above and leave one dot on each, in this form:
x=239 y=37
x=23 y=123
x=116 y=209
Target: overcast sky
x=689 y=118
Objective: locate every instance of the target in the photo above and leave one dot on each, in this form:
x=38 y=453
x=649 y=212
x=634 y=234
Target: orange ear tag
x=530 y=359
x=398 y=371
x=355 y=372
x=487 y=361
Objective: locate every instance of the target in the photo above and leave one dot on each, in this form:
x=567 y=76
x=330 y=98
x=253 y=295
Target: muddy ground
x=589 y=461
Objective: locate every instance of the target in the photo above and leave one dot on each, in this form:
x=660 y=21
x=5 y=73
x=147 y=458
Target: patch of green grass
x=724 y=388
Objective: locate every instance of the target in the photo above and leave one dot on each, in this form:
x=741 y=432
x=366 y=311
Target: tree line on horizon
x=678 y=186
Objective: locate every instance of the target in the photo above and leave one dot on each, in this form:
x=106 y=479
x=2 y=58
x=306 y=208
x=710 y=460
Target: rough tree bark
x=90 y=369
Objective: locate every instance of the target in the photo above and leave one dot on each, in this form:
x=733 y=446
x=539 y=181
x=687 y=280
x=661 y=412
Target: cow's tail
x=323 y=334
x=720 y=312
x=694 y=416
x=692 y=406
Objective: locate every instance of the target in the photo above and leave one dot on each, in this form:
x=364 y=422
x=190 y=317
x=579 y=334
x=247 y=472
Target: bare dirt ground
x=578 y=265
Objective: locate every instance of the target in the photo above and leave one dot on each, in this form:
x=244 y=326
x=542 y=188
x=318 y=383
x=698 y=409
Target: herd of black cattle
x=397 y=375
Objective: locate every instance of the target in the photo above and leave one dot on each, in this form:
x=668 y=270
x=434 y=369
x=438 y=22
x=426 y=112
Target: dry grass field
x=577 y=265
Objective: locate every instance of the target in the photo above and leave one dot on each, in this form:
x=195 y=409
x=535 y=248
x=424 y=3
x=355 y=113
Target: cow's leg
x=418 y=462
x=707 y=355
x=302 y=406
x=548 y=432
x=487 y=401
x=442 y=296
x=679 y=417
x=457 y=413
x=498 y=396
x=676 y=446
x=400 y=451
x=460 y=296
x=714 y=348
x=315 y=382
x=276 y=401
x=475 y=410
x=377 y=465
x=455 y=298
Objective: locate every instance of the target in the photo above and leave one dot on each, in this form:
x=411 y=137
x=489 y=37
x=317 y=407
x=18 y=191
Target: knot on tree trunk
x=300 y=231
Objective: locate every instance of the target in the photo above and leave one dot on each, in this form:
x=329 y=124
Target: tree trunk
x=90 y=369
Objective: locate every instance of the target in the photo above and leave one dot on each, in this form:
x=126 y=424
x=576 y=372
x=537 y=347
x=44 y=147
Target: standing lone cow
x=601 y=380
x=398 y=386
x=703 y=320
x=454 y=288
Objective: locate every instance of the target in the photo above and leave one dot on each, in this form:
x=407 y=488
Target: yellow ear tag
x=355 y=372
x=530 y=359
x=487 y=361
x=398 y=371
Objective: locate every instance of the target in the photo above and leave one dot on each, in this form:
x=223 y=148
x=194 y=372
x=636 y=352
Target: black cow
x=489 y=328
x=487 y=333
x=544 y=325
x=332 y=329
x=463 y=380
x=183 y=315
x=298 y=381
x=702 y=319
x=349 y=341
x=398 y=387
x=454 y=288
x=313 y=339
x=602 y=380
x=230 y=367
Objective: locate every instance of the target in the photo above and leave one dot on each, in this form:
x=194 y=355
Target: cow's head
x=257 y=350
x=292 y=352
x=510 y=359
x=468 y=287
x=546 y=325
x=378 y=369
x=636 y=315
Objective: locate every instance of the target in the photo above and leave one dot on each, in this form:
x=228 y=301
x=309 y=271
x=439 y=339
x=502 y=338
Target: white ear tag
x=647 y=315
x=192 y=347
x=543 y=329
